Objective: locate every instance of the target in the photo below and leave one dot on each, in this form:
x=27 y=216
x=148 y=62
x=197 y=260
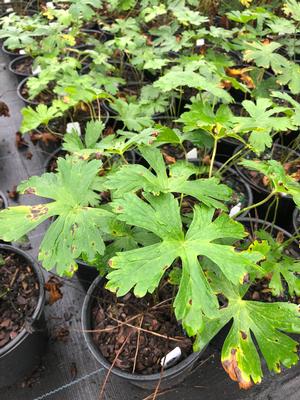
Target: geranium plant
x=125 y=201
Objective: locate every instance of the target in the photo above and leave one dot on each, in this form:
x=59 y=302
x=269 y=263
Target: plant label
x=235 y=209
x=192 y=154
x=36 y=70
x=200 y=42
x=49 y=4
x=171 y=358
x=22 y=52
x=74 y=126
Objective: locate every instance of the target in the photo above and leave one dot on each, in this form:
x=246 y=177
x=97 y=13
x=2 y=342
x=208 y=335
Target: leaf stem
x=260 y=203
x=236 y=155
x=213 y=157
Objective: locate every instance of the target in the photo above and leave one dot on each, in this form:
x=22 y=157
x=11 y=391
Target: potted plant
x=174 y=254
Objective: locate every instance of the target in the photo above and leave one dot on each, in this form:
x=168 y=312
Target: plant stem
x=260 y=203
x=213 y=157
x=236 y=155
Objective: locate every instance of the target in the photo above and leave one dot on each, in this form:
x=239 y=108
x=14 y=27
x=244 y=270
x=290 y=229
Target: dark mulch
x=19 y=292
x=45 y=97
x=25 y=66
x=140 y=350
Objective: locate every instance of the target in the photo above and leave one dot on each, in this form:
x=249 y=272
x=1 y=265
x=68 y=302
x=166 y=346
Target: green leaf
x=243 y=17
x=279 y=180
x=291 y=77
x=133 y=115
x=295 y=117
x=264 y=55
x=93 y=132
x=77 y=227
x=83 y=8
x=261 y=122
x=187 y=16
x=143 y=268
x=202 y=115
x=292 y=8
x=286 y=269
x=136 y=177
x=281 y=25
x=267 y=322
x=278 y=265
x=41 y=115
x=178 y=79
x=72 y=142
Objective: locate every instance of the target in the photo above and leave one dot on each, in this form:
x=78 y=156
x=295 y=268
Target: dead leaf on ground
x=4 y=110
x=28 y=155
x=20 y=141
x=53 y=286
x=73 y=371
x=44 y=137
x=13 y=194
x=61 y=334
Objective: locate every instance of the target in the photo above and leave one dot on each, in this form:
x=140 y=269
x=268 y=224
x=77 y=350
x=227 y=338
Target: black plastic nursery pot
x=170 y=377
x=26 y=100
x=22 y=354
x=3 y=201
x=12 y=54
x=286 y=204
x=296 y=220
x=226 y=148
x=17 y=62
x=19 y=12
x=98 y=35
x=86 y=274
x=3 y=205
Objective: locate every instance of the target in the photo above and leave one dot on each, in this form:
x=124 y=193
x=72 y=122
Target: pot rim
x=4 y=198
x=31 y=102
x=9 y=52
x=12 y=63
x=85 y=324
x=41 y=299
x=267 y=224
x=296 y=213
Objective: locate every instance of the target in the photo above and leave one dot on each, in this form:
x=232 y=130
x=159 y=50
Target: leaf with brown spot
x=142 y=269
x=232 y=369
x=74 y=200
x=37 y=211
x=266 y=322
x=30 y=190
